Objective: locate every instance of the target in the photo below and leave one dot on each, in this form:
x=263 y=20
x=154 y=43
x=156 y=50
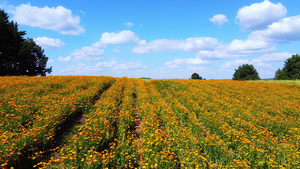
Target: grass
x=146 y=78
x=279 y=81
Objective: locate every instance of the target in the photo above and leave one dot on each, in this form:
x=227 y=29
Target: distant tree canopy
x=245 y=72
x=196 y=76
x=19 y=56
x=290 y=70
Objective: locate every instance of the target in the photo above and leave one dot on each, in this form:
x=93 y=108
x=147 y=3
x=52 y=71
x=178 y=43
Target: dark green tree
x=11 y=42
x=245 y=72
x=291 y=68
x=19 y=56
x=196 y=76
x=33 y=59
x=281 y=74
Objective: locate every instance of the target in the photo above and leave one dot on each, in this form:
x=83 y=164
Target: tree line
x=290 y=71
x=19 y=56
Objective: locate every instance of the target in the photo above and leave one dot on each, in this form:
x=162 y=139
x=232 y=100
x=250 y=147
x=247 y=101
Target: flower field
x=105 y=122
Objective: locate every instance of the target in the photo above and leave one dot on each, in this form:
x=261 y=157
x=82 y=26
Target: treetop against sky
x=161 y=39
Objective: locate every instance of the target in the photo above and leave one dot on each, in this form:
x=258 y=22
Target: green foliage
x=196 y=76
x=291 y=69
x=280 y=74
x=35 y=62
x=19 y=56
x=246 y=72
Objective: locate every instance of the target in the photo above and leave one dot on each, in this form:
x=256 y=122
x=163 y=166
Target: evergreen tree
x=291 y=69
x=19 y=56
x=281 y=74
x=11 y=42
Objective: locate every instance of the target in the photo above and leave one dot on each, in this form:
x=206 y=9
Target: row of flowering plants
x=131 y=127
x=183 y=132
x=248 y=125
x=33 y=108
x=153 y=142
x=150 y=124
x=94 y=142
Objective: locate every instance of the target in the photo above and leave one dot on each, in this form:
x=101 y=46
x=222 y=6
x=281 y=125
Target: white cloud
x=47 y=43
x=6 y=7
x=219 y=19
x=273 y=57
x=104 y=65
x=83 y=69
x=130 y=66
x=57 y=18
x=237 y=48
x=122 y=37
x=236 y=63
x=197 y=69
x=114 y=65
x=88 y=53
x=283 y=31
x=260 y=15
x=94 y=53
x=249 y=46
x=262 y=62
x=66 y=59
x=183 y=62
x=190 y=44
x=264 y=69
x=129 y=24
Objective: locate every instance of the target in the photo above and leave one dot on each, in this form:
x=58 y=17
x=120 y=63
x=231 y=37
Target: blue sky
x=161 y=39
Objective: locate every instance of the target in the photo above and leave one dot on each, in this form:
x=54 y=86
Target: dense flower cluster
x=247 y=124
x=150 y=124
x=32 y=109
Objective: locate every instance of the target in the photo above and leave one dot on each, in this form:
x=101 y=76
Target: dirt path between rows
x=65 y=129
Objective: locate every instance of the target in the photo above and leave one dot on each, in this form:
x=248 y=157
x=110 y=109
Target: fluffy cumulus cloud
x=273 y=57
x=190 y=44
x=260 y=15
x=88 y=53
x=183 y=62
x=122 y=37
x=47 y=43
x=248 y=46
x=283 y=31
x=238 y=62
x=237 y=48
x=58 y=18
x=84 y=69
x=260 y=62
x=66 y=59
x=219 y=19
x=264 y=69
x=95 y=51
